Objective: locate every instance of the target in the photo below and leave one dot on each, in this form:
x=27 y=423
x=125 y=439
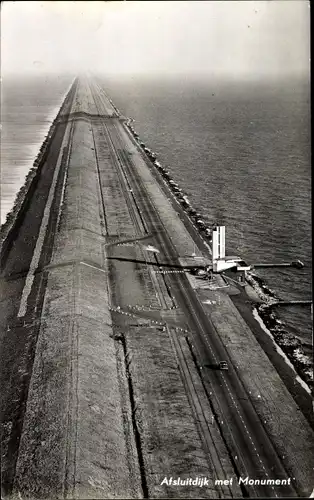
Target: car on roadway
x=221 y=365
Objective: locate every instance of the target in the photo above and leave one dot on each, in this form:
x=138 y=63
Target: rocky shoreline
x=290 y=345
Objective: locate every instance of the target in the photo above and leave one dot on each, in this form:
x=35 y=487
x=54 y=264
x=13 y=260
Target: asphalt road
x=252 y=452
x=245 y=434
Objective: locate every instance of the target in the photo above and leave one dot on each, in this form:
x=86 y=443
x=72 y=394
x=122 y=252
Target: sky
x=235 y=39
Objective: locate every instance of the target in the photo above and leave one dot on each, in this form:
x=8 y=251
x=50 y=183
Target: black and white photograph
x=156 y=250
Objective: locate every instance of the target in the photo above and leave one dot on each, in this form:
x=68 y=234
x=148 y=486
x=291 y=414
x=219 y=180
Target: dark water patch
x=241 y=153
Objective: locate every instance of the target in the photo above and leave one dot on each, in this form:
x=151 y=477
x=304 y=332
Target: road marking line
x=211 y=350
x=238 y=411
x=94 y=267
x=42 y=232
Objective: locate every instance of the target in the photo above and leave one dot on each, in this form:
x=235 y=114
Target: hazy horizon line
x=154 y=75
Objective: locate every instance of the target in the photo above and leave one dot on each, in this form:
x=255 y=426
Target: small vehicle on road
x=203 y=273
x=222 y=365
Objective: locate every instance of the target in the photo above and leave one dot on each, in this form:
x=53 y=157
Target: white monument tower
x=219 y=260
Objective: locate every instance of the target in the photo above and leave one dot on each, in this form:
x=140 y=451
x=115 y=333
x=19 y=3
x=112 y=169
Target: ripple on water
x=29 y=106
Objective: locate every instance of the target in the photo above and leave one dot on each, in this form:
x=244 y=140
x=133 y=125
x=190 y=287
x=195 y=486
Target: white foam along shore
x=280 y=351
x=268 y=300
x=267 y=295
x=13 y=214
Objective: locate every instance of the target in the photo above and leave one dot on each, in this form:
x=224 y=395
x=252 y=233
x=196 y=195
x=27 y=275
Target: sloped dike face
x=109 y=342
x=72 y=439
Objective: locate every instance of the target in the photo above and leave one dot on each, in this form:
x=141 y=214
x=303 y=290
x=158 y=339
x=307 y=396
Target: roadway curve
x=243 y=429
x=250 y=448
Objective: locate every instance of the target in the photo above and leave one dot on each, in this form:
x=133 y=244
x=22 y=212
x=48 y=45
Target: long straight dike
x=102 y=355
x=20 y=235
